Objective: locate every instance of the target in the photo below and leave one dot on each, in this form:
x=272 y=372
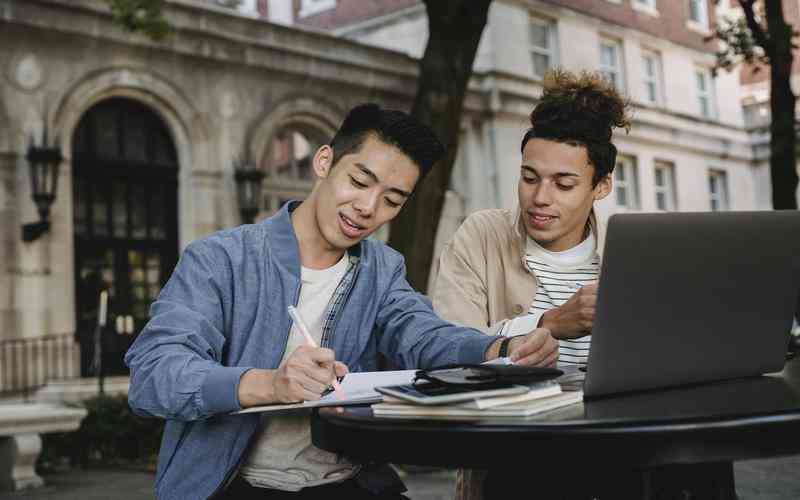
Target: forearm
x=257 y=387
x=182 y=387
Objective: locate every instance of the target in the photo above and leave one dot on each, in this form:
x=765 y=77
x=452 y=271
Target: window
x=664 y=177
x=543 y=46
x=626 y=189
x=718 y=190
x=611 y=63
x=651 y=67
x=756 y=114
x=289 y=169
x=646 y=6
x=311 y=7
x=698 y=14
x=705 y=93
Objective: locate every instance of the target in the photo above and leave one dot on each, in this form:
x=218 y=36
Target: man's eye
x=356 y=183
x=565 y=187
x=529 y=180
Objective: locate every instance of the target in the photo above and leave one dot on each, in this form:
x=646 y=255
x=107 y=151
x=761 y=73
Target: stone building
x=150 y=132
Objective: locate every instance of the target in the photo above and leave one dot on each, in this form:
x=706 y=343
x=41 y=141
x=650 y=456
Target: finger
x=530 y=344
x=340 y=369
x=590 y=288
x=531 y=358
x=322 y=374
x=552 y=360
x=321 y=355
x=313 y=386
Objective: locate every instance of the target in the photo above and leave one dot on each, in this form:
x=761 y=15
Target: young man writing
x=219 y=337
x=506 y=272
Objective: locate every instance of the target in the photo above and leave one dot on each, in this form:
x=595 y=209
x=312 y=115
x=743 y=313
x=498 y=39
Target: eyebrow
x=374 y=177
x=558 y=174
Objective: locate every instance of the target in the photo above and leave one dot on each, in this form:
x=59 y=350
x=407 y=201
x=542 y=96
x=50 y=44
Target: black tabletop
x=722 y=421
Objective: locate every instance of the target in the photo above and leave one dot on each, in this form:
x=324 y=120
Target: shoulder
x=381 y=254
x=491 y=225
x=228 y=245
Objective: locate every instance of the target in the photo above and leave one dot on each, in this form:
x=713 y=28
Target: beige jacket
x=483 y=282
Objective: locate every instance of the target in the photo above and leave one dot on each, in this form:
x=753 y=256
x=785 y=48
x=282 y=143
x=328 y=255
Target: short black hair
x=394 y=127
x=580 y=110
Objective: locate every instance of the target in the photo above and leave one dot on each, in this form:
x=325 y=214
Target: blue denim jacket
x=223 y=311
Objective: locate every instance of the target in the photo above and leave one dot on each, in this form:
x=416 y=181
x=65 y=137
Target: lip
x=348 y=230
x=541 y=221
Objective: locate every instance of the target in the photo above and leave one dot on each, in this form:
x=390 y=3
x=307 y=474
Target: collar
x=282 y=240
x=521 y=236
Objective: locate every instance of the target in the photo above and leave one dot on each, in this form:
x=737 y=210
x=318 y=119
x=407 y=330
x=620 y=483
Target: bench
x=20 y=444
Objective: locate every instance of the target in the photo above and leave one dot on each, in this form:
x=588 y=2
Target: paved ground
x=777 y=479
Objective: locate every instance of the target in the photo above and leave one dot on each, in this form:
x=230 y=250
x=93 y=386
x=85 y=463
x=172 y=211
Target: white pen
x=301 y=325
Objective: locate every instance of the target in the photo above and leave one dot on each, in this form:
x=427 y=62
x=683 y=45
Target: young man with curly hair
x=506 y=272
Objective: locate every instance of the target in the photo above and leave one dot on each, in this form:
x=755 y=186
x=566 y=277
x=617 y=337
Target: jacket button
x=517 y=309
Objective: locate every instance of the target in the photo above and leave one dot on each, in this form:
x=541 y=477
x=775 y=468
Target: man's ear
x=603 y=187
x=323 y=161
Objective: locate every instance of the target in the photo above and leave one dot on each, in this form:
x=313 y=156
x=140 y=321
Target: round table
x=683 y=439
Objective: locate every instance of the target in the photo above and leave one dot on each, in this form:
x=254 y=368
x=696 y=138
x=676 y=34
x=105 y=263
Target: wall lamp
x=43 y=161
x=248 y=188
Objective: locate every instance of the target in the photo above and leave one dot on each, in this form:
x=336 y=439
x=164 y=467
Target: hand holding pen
x=301 y=326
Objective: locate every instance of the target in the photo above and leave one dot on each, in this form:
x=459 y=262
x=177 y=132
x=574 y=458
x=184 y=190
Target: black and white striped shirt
x=559 y=275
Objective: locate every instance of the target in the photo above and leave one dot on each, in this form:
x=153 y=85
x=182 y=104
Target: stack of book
x=516 y=401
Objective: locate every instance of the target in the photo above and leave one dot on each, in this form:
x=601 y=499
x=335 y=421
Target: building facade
x=150 y=132
x=688 y=148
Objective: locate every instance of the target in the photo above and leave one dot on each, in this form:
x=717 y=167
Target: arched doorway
x=124 y=181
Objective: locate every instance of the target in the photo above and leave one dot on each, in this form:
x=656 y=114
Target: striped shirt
x=559 y=275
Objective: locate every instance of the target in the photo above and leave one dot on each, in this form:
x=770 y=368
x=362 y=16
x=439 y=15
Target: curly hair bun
x=583 y=108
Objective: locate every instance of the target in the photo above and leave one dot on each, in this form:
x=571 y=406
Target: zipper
x=344 y=303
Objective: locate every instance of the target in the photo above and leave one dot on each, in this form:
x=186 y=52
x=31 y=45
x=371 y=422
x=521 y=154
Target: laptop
x=686 y=298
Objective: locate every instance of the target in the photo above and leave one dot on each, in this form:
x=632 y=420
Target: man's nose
x=542 y=195
x=367 y=203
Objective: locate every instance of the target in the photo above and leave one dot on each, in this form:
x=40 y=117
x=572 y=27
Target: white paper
x=357 y=388
x=499 y=361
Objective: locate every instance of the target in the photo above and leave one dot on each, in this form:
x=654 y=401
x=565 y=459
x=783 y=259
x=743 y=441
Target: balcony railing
x=27 y=364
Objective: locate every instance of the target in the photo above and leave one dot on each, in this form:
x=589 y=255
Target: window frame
x=722 y=198
x=630 y=185
x=311 y=7
x=656 y=80
x=709 y=93
x=668 y=189
x=619 y=84
x=552 y=38
x=698 y=24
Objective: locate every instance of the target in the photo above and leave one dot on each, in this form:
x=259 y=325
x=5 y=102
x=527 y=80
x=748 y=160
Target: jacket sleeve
x=460 y=293
x=176 y=361
x=413 y=336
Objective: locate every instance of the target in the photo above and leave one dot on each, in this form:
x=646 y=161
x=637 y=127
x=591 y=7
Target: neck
x=315 y=252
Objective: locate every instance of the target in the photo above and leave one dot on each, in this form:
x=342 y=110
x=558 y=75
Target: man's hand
x=575 y=317
x=304 y=376
x=537 y=348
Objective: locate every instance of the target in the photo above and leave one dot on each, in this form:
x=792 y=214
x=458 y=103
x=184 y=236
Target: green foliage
x=141 y=16
x=738 y=44
x=110 y=434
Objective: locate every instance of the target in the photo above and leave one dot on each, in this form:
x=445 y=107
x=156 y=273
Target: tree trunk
x=455 y=29
x=782 y=162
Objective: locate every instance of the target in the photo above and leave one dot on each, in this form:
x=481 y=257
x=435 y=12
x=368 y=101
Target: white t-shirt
x=559 y=275
x=283 y=457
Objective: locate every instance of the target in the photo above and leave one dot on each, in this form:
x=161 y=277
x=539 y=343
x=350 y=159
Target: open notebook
x=358 y=388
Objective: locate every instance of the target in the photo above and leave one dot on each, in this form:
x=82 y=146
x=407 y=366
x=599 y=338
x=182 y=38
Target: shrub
x=110 y=434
